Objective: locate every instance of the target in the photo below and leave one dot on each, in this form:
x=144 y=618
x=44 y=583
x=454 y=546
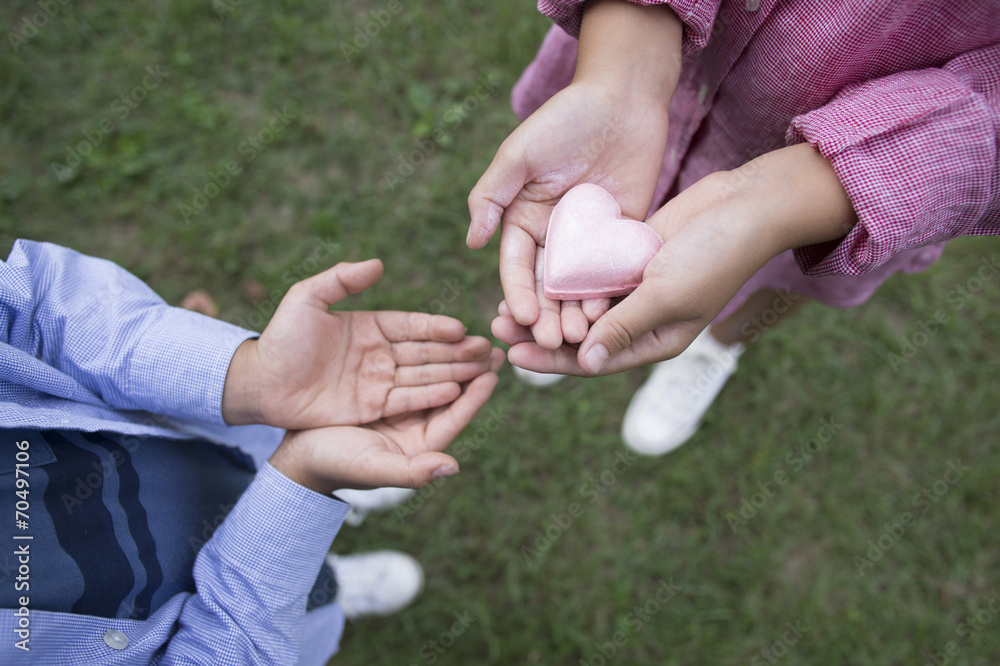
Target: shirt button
x=672 y=156
x=116 y=639
x=753 y=5
x=702 y=93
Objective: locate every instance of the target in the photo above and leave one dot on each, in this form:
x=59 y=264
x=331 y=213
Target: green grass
x=323 y=178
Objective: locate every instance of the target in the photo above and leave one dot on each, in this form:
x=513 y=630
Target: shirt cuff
x=698 y=17
x=187 y=355
x=279 y=532
x=915 y=153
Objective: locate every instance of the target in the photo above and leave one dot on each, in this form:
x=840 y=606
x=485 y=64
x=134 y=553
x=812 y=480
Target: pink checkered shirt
x=902 y=96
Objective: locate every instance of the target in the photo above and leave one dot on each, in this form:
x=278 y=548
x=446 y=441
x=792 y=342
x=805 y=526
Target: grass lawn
x=203 y=145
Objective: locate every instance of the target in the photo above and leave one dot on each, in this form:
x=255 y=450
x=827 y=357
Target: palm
x=313 y=368
x=369 y=456
x=339 y=366
x=343 y=368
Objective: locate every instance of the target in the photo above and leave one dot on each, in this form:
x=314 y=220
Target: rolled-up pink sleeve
x=917 y=152
x=698 y=17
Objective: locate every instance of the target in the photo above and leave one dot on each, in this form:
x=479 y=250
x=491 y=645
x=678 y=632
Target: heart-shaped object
x=590 y=251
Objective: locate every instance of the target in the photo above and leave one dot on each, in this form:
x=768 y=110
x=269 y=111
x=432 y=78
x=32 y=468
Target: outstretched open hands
x=412 y=380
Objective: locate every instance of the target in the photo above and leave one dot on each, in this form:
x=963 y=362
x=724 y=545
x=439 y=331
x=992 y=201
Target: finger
x=517 y=273
x=472 y=348
x=530 y=356
x=574 y=322
x=429 y=466
x=437 y=373
x=503 y=310
x=418 y=326
x=496 y=188
x=548 y=328
x=658 y=345
x=639 y=313
x=510 y=332
x=446 y=425
x=334 y=284
x=497 y=357
x=594 y=308
x=403 y=399
x=387 y=469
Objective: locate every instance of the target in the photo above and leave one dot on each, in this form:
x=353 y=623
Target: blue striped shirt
x=89 y=350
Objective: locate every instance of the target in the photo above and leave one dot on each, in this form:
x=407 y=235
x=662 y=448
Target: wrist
x=294 y=459
x=794 y=195
x=241 y=395
x=632 y=49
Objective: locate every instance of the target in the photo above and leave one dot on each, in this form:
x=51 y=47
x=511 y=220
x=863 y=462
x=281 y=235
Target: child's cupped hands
x=716 y=234
x=587 y=133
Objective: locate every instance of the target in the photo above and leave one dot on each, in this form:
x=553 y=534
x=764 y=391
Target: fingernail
x=445 y=470
x=596 y=357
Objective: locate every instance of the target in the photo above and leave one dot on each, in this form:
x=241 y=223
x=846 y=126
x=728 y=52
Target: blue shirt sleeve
x=253 y=578
x=84 y=329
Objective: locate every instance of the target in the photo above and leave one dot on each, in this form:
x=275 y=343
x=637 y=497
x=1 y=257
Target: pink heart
x=590 y=251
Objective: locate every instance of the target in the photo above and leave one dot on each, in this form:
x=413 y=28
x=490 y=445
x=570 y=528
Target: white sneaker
x=668 y=408
x=378 y=499
x=381 y=582
x=539 y=379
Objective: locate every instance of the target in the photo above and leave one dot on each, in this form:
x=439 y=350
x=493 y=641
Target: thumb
x=635 y=316
x=429 y=466
x=388 y=469
x=495 y=190
x=334 y=284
